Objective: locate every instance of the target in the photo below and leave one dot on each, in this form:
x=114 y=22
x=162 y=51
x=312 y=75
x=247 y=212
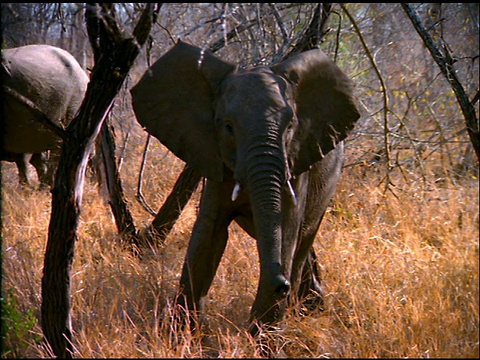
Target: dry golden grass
x=400 y=274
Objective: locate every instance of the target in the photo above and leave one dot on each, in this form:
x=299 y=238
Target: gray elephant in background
x=269 y=142
x=38 y=79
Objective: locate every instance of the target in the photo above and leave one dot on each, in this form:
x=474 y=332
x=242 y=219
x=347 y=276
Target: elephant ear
x=174 y=102
x=325 y=106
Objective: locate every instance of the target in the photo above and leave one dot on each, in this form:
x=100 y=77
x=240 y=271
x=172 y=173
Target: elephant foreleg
x=310 y=291
x=323 y=180
x=205 y=250
x=301 y=223
x=305 y=271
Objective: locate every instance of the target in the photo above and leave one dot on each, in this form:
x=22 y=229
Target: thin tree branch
x=315 y=31
x=40 y=115
x=387 y=130
x=220 y=43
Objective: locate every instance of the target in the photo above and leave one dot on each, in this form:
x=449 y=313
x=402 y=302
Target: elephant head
x=257 y=129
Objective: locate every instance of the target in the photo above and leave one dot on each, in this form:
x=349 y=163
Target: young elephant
x=269 y=143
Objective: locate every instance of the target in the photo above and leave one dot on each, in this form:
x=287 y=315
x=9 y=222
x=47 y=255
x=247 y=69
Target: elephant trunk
x=265 y=178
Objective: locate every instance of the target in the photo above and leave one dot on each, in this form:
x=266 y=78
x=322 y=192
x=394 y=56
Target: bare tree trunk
x=107 y=78
x=171 y=209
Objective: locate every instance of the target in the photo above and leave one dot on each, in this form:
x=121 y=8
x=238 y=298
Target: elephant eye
x=229 y=127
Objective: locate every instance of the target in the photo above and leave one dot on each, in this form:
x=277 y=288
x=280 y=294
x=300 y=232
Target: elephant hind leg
x=21 y=161
x=39 y=162
x=22 y=167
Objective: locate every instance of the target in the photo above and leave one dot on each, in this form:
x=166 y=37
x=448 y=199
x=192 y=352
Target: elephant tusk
x=235 y=192
x=292 y=193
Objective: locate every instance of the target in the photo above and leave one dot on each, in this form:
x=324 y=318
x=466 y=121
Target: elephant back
x=51 y=79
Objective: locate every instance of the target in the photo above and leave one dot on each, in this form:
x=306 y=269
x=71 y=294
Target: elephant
x=269 y=142
x=38 y=160
x=40 y=83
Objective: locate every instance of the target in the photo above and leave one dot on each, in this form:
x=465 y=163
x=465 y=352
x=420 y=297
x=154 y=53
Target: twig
x=387 y=130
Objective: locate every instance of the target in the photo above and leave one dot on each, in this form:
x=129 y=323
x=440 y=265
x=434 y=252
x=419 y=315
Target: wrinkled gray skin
x=262 y=129
x=55 y=83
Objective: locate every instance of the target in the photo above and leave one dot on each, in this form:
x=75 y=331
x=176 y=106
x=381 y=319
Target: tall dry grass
x=400 y=274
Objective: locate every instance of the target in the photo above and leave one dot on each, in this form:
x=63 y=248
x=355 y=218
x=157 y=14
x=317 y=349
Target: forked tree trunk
x=107 y=78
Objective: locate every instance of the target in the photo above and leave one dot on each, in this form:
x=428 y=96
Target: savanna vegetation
x=398 y=248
